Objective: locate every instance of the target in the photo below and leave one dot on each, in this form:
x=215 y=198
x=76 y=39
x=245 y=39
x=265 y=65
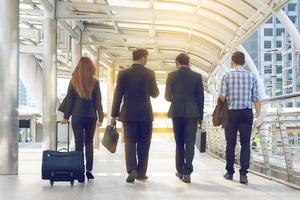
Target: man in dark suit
x=184 y=89
x=135 y=86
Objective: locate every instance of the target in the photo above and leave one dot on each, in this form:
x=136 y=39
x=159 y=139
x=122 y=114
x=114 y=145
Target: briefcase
x=63 y=166
x=201 y=140
x=110 y=138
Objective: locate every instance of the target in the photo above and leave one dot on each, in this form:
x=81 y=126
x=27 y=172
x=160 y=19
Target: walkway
x=207 y=181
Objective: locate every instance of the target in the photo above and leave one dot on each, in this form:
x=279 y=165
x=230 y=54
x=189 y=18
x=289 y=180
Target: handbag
x=110 y=138
x=62 y=106
x=220 y=114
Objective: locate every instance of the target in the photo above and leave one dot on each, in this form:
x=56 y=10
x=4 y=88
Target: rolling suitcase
x=63 y=165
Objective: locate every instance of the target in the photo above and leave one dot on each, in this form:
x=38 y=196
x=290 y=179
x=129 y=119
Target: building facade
x=274 y=56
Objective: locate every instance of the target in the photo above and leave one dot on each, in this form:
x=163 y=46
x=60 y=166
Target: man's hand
x=113 y=121
x=99 y=124
x=257 y=124
x=200 y=124
x=64 y=121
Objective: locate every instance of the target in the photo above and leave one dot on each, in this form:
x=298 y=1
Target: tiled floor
x=110 y=174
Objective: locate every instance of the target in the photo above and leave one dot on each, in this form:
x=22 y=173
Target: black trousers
x=239 y=121
x=137 y=136
x=84 y=131
x=185 y=135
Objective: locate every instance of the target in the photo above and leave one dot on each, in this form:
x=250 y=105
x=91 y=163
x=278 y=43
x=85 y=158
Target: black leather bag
x=63 y=166
x=62 y=106
x=220 y=114
x=110 y=138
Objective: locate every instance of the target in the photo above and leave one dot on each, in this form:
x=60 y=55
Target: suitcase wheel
x=72 y=182
x=51 y=183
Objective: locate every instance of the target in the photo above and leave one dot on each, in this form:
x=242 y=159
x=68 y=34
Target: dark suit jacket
x=184 y=89
x=135 y=85
x=76 y=106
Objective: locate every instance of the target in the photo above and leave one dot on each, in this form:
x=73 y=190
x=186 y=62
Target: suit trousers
x=238 y=121
x=84 y=131
x=137 y=136
x=185 y=135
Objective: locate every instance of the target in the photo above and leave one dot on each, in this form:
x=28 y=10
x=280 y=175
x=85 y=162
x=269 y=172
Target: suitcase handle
x=63 y=149
x=114 y=126
x=68 y=139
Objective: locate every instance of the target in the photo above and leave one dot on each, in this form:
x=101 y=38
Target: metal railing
x=275 y=148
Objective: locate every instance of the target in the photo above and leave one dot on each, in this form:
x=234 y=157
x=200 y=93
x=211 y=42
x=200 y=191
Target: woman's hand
x=113 y=121
x=64 y=121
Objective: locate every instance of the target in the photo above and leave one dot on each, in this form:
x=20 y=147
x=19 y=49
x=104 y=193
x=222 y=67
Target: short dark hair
x=183 y=59
x=238 y=58
x=139 y=53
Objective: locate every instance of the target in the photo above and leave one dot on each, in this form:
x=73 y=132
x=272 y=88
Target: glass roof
x=205 y=29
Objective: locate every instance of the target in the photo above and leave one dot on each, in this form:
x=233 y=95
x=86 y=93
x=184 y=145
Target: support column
x=98 y=71
x=110 y=90
x=33 y=129
x=76 y=49
x=9 y=86
x=49 y=80
x=76 y=53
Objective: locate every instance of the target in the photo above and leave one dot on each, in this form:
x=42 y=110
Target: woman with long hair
x=84 y=104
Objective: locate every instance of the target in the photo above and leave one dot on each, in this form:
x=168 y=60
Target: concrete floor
x=110 y=175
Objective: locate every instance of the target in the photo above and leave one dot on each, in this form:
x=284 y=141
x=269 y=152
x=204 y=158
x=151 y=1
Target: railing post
x=286 y=148
x=264 y=148
x=274 y=139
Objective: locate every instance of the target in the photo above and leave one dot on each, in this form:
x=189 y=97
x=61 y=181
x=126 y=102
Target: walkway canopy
x=206 y=29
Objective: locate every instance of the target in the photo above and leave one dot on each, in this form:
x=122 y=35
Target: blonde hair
x=83 y=78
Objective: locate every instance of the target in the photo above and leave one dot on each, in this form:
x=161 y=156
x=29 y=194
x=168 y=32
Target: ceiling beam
x=32 y=4
x=47 y=5
x=33 y=34
x=70 y=30
x=31 y=12
x=30 y=49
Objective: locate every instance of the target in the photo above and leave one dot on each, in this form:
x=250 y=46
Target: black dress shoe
x=179 y=175
x=89 y=175
x=243 y=179
x=228 y=176
x=140 y=178
x=131 y=177
x=186 y=178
